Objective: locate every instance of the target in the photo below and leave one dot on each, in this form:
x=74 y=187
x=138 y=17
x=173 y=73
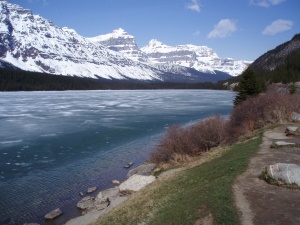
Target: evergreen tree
x=292 y=88
x=248 y=86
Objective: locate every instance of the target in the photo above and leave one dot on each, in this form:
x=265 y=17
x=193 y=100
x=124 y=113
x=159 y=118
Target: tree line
x=19 y=80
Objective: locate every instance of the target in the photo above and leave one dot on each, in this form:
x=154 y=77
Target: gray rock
x=116 y=182
x=283 y=172
x=104 y=198
x=145 y=170
x=292 y=131
x=31 y=224
x=109 y=193
x=53 y=214
x=101 y=202
x=91 y=190
x=86 y=203
x=157 y=170
x=136 y=182
x=279 y=144
x=128 y=165
x=295 y=117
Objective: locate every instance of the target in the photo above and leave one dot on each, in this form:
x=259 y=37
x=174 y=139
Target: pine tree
x=248 y=86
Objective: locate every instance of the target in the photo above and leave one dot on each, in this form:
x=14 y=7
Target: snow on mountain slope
x=201 y=58
x=33 y=43
x=119 y=40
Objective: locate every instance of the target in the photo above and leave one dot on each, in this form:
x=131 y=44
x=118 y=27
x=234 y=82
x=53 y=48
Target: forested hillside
x=18 y=80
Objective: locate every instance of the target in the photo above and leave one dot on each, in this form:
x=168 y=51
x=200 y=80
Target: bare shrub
x=207 y=134
x=175 y=141
x=255 y=113
x=181 y=143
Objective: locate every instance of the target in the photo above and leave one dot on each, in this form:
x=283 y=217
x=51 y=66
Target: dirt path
x=260 y=203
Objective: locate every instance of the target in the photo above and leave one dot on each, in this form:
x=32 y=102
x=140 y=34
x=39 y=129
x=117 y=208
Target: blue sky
x=240 y=29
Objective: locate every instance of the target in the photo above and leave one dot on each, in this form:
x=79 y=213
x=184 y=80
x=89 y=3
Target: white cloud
x=193 y=5
x=278 y=26
x=266 y=3
x=223 y=29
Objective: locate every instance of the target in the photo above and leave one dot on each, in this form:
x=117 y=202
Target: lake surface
x=54 y=145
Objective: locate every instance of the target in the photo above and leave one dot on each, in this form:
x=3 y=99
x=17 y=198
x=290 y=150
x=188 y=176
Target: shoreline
x=136 y=179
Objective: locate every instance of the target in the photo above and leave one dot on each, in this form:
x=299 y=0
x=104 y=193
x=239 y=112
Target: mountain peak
x=119 y=31
x=155 y=43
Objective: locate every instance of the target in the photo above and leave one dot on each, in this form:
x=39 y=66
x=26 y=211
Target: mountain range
x=30 y=42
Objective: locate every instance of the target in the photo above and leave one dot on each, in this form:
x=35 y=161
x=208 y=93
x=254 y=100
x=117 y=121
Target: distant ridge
x=277 y=56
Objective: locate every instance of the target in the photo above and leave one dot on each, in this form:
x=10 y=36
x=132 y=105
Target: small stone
x=81 y=194
x=53 y=214
x=129 y=165
x=31 y=224
x=157 y=170
x=116 y=182
x=91 y=190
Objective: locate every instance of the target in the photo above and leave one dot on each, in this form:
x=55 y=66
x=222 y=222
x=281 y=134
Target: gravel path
x=259 y=202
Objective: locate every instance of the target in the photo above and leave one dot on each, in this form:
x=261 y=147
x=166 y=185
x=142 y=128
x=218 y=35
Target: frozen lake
x=55 y=144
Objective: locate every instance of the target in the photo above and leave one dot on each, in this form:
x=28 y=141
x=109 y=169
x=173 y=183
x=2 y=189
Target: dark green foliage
x=287 y=72
x=18 y=80
x=292 y=88
x=248 y=86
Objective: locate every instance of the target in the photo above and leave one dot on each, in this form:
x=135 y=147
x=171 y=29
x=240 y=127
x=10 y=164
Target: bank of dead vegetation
x=183 y=143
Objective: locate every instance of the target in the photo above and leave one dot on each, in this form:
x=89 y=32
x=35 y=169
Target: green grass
x=192 y=194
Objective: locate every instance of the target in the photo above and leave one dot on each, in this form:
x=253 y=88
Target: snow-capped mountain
x=30 y=42
x=33 y=43
x=201 y=58
x=119 y=40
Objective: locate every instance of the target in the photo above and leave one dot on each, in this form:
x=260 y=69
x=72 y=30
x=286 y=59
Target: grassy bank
x=192 y=194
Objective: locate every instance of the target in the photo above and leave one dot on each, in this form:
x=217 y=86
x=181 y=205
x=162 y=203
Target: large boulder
x=136 y=183
x=282 y=174
x=86 y=203
x=145 y=170
x=53 y=214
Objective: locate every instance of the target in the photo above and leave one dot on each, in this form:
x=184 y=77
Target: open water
x=54 y=145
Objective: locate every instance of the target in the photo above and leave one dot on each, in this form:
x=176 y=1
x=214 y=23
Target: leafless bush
x=180 y=143
x=255 y=113
x=207 y=134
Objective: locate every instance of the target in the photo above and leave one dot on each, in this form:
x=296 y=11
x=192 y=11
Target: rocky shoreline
x=93 y=207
